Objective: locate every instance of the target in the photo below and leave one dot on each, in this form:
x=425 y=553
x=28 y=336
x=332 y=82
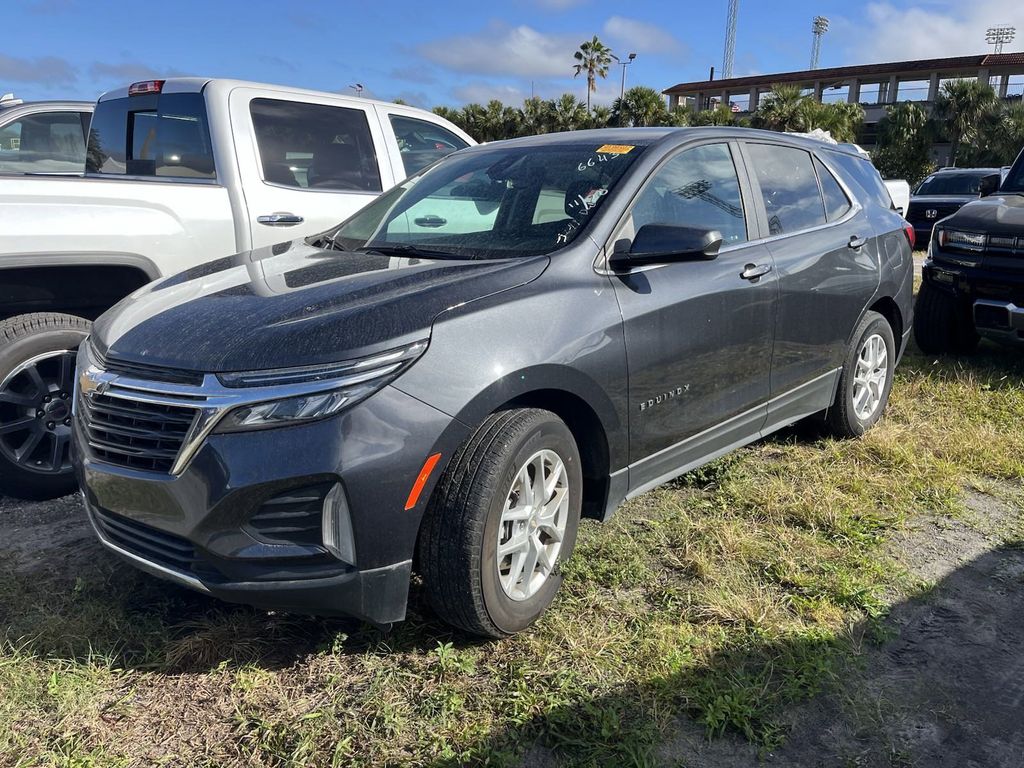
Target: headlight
x=964 y=241
x=310 y=393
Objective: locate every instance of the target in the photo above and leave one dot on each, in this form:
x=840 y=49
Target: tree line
x=980 y=128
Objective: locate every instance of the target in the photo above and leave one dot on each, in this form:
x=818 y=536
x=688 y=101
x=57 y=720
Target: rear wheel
x=37 y=372
x=502 y=518
x=866 y=379
x=942 y=324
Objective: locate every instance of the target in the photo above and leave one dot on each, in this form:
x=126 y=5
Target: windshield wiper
x=406 y=249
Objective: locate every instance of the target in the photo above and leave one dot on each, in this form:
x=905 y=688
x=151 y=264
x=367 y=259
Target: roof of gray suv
x=649 y=136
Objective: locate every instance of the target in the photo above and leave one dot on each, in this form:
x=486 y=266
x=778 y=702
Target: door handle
x=280 y=219
x=857 y=242
x=755 y=272
x=430 y=221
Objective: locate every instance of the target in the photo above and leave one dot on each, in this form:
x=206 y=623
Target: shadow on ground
x=946 y=689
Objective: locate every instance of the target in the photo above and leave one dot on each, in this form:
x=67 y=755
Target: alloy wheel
x=870 y=376
x=35 y=413
x=532 y=525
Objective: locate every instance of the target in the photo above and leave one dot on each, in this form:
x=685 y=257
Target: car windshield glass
x=494 y=203
x=950 y=184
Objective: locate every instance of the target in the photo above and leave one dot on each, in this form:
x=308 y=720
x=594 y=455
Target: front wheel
x=37 y=373
x=942 y=323
x=866 y=380
x=504 y=515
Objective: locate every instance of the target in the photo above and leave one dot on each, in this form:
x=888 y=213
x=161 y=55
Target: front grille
x=147 y=542
x=148 y=372
x=916 y=212
x=294 y=517
x=135 y=434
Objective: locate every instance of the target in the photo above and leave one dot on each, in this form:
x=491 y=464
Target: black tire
x=841 y=419
x=942 y=323
x=458 y=541
x=35 y=449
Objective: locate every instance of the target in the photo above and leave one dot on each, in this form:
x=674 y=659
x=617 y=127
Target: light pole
x=629 y=60
x=358 y=88
x=999 y=36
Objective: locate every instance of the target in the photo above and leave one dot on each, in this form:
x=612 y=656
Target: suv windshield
x=494 y=203
x=950 y=184
x=1014 y=181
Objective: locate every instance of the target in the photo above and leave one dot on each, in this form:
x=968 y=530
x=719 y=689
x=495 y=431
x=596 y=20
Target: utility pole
x=730 y=39
x=818 y=27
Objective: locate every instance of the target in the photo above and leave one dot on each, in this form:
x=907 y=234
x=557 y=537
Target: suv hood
x=994 y=215
x=292 y=304
x=941 y=199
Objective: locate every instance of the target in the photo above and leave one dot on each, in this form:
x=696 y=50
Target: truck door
x=305 y=162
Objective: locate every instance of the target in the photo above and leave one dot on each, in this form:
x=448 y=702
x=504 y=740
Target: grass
x=727 y=596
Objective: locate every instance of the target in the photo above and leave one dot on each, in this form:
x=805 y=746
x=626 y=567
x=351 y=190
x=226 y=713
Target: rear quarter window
x=861 y=177
x=159 y=135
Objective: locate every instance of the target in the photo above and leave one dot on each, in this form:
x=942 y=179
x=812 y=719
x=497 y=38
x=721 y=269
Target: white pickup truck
x=178 y=172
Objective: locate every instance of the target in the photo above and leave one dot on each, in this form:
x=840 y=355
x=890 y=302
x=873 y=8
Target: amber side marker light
x=421 y=480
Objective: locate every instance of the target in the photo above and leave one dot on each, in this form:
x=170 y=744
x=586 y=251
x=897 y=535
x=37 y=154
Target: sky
x=450 y=52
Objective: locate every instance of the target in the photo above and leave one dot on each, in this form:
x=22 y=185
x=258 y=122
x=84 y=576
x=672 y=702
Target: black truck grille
x=135 y=434
x=916 y=213
x=149 y=372
x=147 y=542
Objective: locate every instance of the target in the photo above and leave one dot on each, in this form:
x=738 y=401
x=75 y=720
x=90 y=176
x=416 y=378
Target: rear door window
x=158 y=135
x=789 y=188
x=45 y=142
x=315 y=146
x=421 y=142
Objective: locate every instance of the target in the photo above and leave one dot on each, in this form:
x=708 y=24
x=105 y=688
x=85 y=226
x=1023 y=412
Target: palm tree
x=568 y=113
x=536 y=116
x=720 y=115
x=904 y=143
x=782 y=109
x=594 y=58
x=600 y=117
x=842 y=120
x=960 y=108
x=640 y=106
x=1000 y=135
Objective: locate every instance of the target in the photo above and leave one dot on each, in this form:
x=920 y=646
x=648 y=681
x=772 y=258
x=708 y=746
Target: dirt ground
x=946 y=688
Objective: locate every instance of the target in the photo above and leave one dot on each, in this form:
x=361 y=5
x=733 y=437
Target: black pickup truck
x=973 y=278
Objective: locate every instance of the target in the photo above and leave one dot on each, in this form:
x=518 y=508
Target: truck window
x=162 y=135
x=422 y=142
x=315 y=146
x=46 y=142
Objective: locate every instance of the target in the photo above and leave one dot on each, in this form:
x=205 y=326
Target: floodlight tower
x=1000 y=35
x=730 y=39
x=818 y=27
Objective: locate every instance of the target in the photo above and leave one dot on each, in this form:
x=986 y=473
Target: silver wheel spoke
x=532 y=527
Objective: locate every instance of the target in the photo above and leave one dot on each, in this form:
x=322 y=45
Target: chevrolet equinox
x=523 y=334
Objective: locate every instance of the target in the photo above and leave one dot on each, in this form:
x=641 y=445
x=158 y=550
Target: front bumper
x=196 y=529
x=991 y=290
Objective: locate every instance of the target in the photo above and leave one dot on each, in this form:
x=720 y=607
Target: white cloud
x=482 y=92
x=45 y=70
x=639 y=36
x=894 y=32
x=504 y=50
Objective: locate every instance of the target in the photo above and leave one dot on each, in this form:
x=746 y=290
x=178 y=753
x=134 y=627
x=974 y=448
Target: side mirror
x=989 y=185
x=665 y=243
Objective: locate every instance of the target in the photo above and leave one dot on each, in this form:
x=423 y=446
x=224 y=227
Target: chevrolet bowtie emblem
x=93 y=382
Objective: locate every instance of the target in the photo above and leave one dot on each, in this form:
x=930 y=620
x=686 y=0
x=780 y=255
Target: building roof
x=923 y=66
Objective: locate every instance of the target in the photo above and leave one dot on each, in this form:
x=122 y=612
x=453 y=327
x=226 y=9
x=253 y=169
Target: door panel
x=316 y=160
x=825 y=255
x=698 y=335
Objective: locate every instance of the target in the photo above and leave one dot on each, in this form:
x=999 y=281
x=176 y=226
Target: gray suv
x=521 y=334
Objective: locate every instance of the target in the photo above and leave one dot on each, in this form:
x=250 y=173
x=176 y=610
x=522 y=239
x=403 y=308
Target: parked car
x=179 y=172
x=944 y=193
x=43 y=137
x=295 y=426
x=973 y=279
